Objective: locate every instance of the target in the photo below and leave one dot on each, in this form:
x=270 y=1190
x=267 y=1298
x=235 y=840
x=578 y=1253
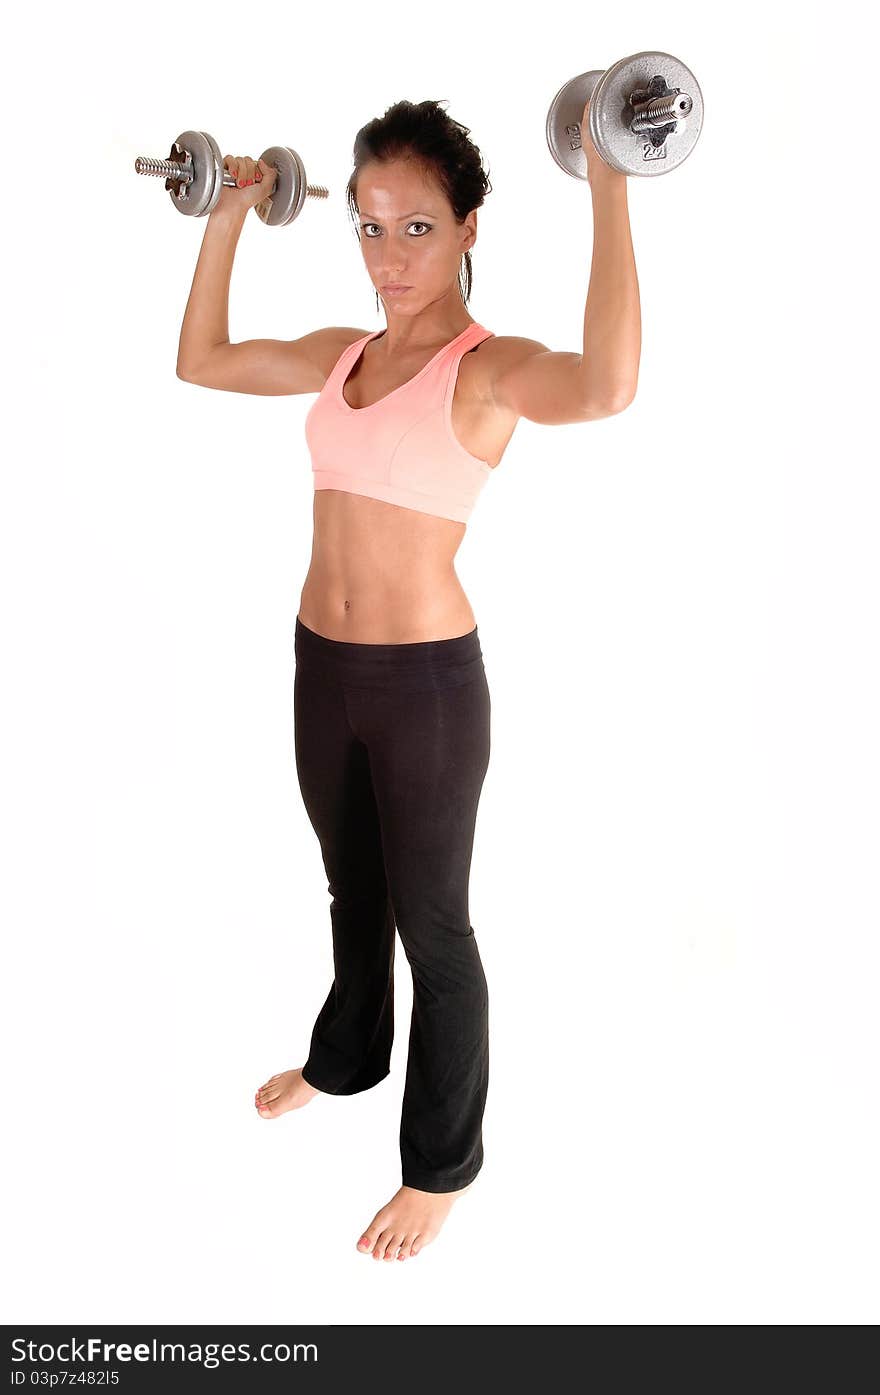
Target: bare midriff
x=381 y=574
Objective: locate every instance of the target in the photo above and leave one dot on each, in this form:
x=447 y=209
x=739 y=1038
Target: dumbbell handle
x=180 y=173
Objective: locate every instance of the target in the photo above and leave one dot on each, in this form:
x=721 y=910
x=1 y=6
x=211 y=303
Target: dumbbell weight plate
x=207 y=169
x=289 y=193
x=564 y=122
x=611 y=114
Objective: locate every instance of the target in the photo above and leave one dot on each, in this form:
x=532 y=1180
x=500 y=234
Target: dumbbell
x=645 y=116
x=194 y=176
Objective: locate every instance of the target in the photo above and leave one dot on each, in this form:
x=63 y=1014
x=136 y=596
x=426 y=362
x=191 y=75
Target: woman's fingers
x=243 y=169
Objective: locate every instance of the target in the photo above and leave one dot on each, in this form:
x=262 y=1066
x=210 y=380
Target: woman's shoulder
x=337 y=338
x=501 y=353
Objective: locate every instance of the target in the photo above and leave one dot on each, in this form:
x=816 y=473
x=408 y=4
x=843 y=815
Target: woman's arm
x=612 y=318
x=206 y=320
x=557 y=388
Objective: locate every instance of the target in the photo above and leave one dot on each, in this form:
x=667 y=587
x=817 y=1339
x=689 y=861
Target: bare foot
x=411 y=1220
x=282 y=1092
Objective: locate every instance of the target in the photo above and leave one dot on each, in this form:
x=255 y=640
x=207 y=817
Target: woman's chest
x=480 y=426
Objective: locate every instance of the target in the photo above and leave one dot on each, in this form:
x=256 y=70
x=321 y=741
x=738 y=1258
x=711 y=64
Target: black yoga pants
x=392 y=747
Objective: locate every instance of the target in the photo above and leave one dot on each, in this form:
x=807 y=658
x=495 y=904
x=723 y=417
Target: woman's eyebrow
x=400 y=220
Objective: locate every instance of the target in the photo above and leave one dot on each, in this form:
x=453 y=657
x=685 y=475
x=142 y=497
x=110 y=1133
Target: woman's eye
x=365 y=226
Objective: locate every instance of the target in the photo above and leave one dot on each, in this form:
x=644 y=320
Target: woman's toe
x=382 y=1242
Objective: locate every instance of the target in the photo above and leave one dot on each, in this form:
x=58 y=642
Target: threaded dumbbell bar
x=646 y=113
x=194 y=176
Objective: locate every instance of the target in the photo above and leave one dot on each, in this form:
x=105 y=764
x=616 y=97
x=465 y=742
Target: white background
x=674 y=884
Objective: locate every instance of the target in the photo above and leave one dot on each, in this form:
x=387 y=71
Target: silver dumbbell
x=646 y=113
x=194 y=176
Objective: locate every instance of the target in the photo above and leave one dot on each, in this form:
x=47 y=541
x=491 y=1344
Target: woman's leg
x=351 y=1040
x=428 y=740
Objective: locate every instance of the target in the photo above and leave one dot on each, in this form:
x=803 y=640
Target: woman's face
x=409 y=234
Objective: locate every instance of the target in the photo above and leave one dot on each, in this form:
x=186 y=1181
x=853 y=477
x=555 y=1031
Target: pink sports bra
x=401 y=448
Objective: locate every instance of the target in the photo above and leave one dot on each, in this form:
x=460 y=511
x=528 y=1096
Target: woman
x=391 y=703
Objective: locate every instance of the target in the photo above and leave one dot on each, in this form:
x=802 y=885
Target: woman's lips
x=396 y=290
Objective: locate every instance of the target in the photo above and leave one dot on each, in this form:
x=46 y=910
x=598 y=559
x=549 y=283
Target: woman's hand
x=598 y=172
x=254 y=181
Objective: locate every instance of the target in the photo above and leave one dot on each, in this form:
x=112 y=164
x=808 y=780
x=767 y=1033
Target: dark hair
x=423 y=133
